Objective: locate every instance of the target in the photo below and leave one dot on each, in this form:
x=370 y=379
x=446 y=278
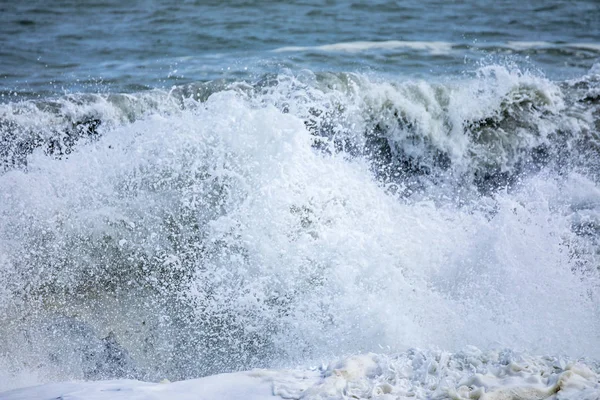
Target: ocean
x=190 y=188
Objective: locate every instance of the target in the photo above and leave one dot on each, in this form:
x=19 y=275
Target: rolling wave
x=228 y=225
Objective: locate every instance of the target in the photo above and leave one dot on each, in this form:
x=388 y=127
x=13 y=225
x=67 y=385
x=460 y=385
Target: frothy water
x=224 y=226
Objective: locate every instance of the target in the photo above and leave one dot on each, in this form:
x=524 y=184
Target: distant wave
x=438 y=47
x=518 y=45
x=355 y=47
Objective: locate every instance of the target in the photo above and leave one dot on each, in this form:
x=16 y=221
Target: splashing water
x=236 y=225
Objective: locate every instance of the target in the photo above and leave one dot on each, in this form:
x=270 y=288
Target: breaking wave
x=228 y=225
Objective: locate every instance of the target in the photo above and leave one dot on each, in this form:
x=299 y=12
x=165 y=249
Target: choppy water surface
x=193 y=188
x=55 y=46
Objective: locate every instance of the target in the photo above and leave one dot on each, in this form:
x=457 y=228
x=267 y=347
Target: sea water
x=195 y=188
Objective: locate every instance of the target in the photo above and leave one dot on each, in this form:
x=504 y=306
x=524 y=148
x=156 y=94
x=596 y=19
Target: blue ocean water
x=110 y=45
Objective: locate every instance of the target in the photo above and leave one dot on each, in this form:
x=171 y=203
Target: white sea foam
x=356 y=47
x=523 y=45
x=414 y=374
x=435 y=47
x=586 y=46
x=248 y=247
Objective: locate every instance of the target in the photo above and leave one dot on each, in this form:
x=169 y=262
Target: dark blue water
x=110 y=45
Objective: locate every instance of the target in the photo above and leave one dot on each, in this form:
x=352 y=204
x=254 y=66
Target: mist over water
x=305 y=209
